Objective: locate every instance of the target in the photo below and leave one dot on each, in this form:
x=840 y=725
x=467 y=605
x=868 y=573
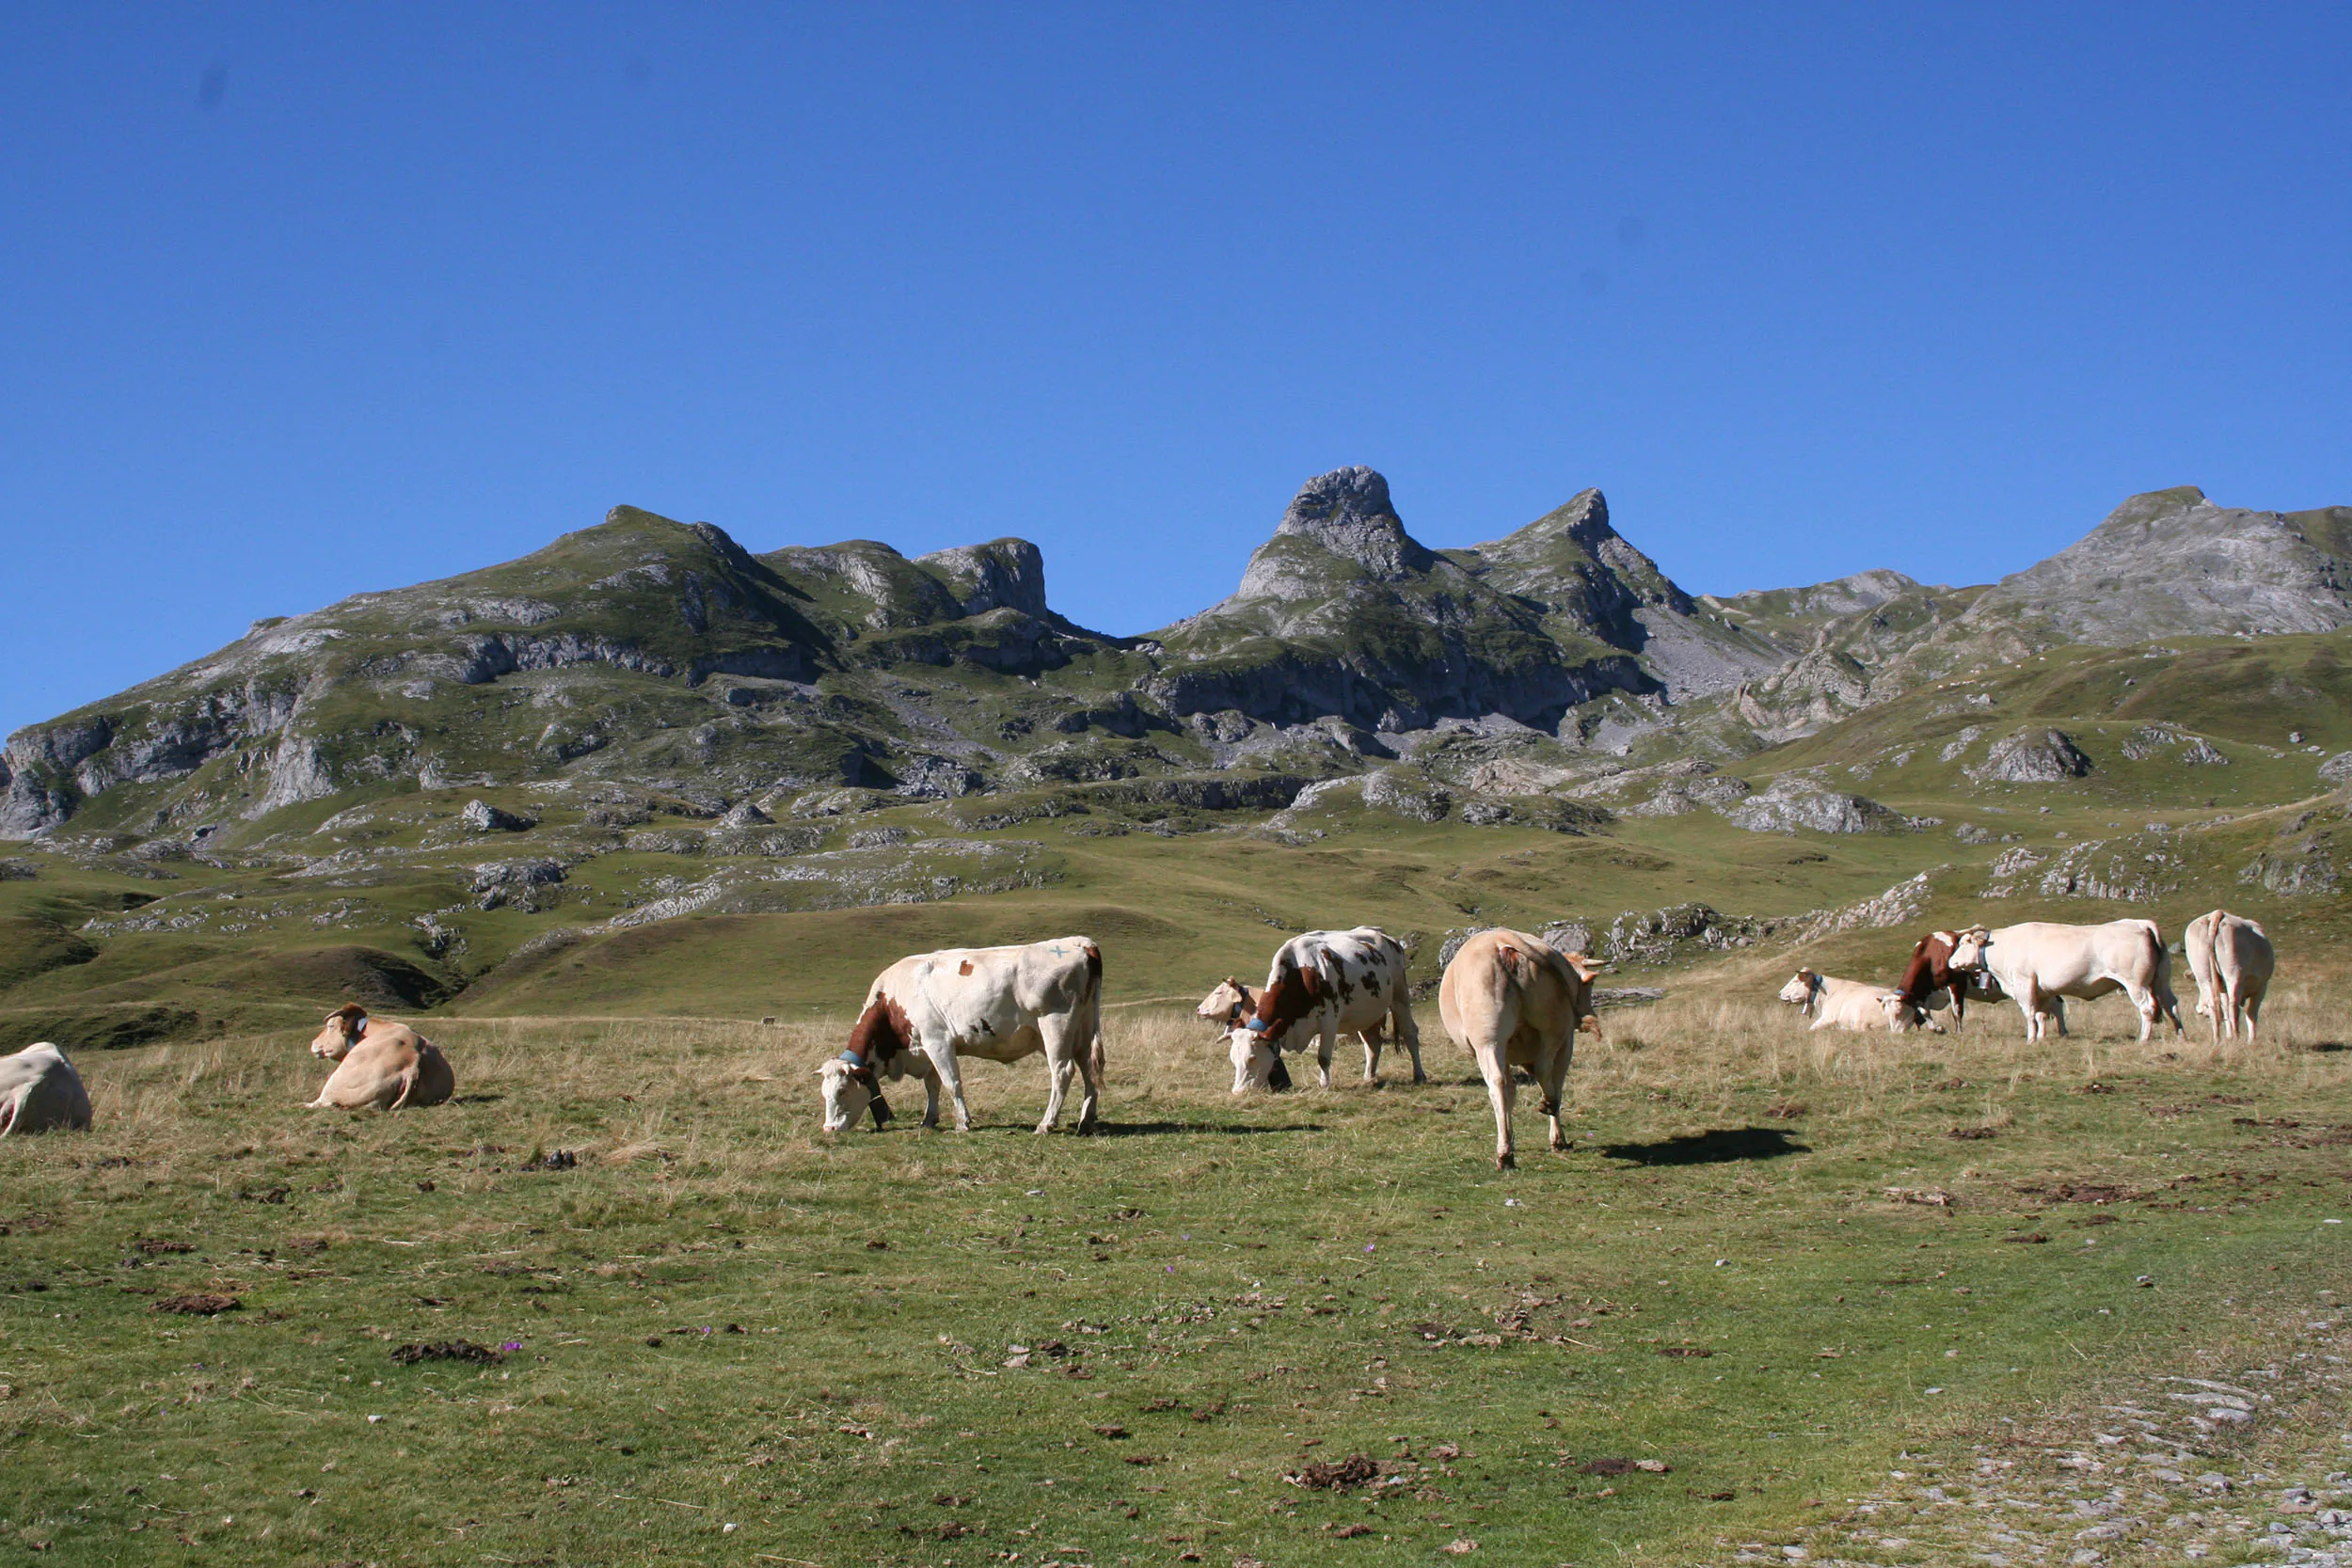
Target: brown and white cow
x=999 y=1004
x=1514 y=1001
x=1835 y=1004
x=2039 y=962
x=1931 y=983
x=1324 y=983
x=2232 y=960
x=388 y=1066
x=38 y=1090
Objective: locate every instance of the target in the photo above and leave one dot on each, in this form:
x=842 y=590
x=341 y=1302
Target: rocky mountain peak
x=1003 y=574
x=1346 y=514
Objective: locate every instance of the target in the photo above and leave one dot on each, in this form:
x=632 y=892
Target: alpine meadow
x=627 y=829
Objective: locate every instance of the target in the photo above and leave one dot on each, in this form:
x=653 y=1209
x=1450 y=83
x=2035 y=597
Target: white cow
x=1831 y=1003
x=2232 y=960
x=2041 y=960
x=38 y=1090
x=1321 y=983
x=999 y=1004
x=1256 y=1064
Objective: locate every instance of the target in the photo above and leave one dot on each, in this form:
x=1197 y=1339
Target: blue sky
x=300 y=301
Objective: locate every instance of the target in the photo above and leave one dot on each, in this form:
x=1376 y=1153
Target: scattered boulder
x=2033 y=756
x=744 y=814
x=483 y=817
x=2337 y=770
x=501 y=882
x=928 y=778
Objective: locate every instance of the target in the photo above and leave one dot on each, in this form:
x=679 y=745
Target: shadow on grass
x=1715 y=1147
x=2327 y=1048
x=1156 y=1129
x=475 y=1099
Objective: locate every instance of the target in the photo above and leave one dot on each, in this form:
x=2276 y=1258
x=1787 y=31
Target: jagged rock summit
x=1344 y=514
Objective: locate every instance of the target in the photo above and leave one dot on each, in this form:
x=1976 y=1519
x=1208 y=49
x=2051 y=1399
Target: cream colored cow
x=2232 y=960
x=38 y=1090
x=1512 y=1000
x=388 y=1066
x=1835 y=1004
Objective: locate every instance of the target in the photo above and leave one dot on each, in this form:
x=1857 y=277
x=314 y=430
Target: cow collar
x=863 y=1073
x=1813 y=989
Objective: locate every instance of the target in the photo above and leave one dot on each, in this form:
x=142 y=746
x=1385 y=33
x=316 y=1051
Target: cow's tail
x=1094 y=981
x=2167 y=1004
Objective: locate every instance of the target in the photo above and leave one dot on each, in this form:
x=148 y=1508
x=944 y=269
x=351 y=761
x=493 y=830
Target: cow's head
x=1227 y=1005
x=1901 y=1015
x=1800 y=989
x=1586 y=970
x=1968 y=947
x=1254 y=1061
x=1292 y=993
x=848 y=1089
x=344 y=1026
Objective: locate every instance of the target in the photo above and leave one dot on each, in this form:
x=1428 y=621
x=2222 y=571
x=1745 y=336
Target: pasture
x=1850 y=1296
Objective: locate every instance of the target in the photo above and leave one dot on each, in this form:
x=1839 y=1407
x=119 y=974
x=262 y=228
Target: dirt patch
x=445 y=1350
x=198 y=1304
x=1343 y=1476
x=153 y=1248
x=2069 y=1192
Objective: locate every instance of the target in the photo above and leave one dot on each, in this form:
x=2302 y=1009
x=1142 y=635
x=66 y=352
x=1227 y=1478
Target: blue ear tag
x=1256 y=1026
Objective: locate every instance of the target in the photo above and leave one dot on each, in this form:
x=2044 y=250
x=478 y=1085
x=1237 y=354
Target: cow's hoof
x=1506 y=1161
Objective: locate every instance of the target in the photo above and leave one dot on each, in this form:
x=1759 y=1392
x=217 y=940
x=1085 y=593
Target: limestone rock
x=2033 y=756
x=483 y=817
x=1409 y=794
x=1793 y=802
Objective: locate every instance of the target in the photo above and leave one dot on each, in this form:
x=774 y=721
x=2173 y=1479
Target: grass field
x=1768 y=1266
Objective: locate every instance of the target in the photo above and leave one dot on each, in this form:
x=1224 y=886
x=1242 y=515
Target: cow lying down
x=38 y=1090
x=1831 y=1003
x=380 y=1064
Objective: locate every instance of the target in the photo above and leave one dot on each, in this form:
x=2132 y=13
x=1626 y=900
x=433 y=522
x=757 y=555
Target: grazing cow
x=1515 y=1000
x=999 y=1004
x=38 y=1090
x=2039 y=961
x=1831 y=1003
x=1226 y=1007
x=1931 y=983
x=389 y=1066
x=1324 y=982
x=2231 y=958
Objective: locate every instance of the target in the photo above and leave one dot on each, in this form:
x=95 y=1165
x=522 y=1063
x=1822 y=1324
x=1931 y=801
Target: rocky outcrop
x=1793 y=803
x=2033 y=756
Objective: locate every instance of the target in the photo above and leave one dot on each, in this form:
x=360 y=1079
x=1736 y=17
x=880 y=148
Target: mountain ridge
x=665 y=653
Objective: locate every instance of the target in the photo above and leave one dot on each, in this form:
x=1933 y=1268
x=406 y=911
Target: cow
x=999 y=1004
x=2232 y=960
x=389 y=1066
x=38 y=1090
x=1515 y=1000
x=1931 y=983
x=1226 y=1006
x=2039 y=961
x=1321 y=983
x=1831 y=1003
